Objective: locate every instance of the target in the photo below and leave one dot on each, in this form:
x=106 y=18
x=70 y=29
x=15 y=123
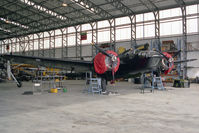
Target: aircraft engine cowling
x=103 y=63
x=167 y=65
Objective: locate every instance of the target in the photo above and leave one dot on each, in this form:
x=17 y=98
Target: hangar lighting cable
x=5 y=30
x=38 y=7
x=14 y=23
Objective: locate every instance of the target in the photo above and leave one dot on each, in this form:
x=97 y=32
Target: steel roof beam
x=93 y=8
x=21 y=9
x=16 y=17
x=123 y=8
x=51 y=22
x=56 y=26
x=150 y=5
x=85 y=19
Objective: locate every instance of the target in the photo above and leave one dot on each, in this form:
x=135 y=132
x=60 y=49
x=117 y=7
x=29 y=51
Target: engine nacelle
x=103 y=63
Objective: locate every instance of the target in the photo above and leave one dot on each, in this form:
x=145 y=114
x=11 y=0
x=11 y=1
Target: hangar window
x=149 y=30
x=103 y=35
x=46 y=43
x=192 y=25
x=71 y=29
x=123 y=33
x=58 y=41
x=149 y=16
x=103 y=24
x=122 y=21
x=71 y=39
x=139 y=18
x=140 y=31
x=192 y=9
x=170 y=27
x=170 y=13
x=86 y=27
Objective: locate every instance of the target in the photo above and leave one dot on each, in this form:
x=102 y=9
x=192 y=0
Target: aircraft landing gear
x=19 y=84
x=103 y=83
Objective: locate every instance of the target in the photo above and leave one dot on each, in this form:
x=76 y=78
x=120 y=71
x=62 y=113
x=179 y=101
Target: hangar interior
x=65 y=29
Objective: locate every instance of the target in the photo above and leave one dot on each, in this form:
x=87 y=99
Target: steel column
x=21 y=45
x=78 y=45
x=133 y=31
x=112 y=34
x=184 y=50
x=12 y=45
x=64 y=51
x=40 y=44
x=51 y=43
x=182 y=4
x=157 y=24
x=31 y=45
x=94 y=27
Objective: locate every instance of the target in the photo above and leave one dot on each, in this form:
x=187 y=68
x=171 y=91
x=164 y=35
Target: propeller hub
x=114 y=58
x=171 y=60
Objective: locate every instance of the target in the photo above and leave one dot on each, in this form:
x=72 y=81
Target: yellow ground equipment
x=53 y=90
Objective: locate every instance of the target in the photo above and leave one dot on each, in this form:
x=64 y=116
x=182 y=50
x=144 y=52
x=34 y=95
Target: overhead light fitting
x=64 y=4
x=7 y=21
x=84 y=5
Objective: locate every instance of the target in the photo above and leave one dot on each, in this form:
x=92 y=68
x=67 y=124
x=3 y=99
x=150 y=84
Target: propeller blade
x=120 y=55
x=176 y=54
x=101 y=50
x=163 y=55
x=182 y=61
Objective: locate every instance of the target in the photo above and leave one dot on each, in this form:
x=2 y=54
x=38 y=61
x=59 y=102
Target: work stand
x=152 y=82
x=92 y=85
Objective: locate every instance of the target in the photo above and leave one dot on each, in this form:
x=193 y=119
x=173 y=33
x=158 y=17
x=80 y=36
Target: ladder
x=146 y=84
x=93 y=85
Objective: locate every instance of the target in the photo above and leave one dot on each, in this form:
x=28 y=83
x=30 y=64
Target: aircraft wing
x=71 y=65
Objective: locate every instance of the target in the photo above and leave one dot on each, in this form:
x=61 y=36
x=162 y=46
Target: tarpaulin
x=100 y=64
x=170 y=65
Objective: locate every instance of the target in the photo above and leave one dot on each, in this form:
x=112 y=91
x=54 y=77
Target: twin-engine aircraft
x=108 y=64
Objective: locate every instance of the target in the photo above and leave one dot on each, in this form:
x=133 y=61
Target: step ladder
x=157 y=83
x=93 y=85
x=146 y=84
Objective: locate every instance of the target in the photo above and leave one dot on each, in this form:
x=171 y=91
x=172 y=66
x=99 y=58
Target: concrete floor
x=173 y=111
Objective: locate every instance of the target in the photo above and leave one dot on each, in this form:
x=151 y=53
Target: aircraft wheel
x=19 y=85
